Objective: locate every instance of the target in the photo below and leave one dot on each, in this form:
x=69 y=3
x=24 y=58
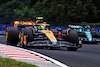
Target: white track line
x=48 y=58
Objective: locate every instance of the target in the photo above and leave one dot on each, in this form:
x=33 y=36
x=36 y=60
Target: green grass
x=5 y=62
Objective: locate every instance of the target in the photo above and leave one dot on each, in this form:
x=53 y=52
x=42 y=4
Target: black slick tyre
x=73 y=38
x=12 y=36
x=29 y=34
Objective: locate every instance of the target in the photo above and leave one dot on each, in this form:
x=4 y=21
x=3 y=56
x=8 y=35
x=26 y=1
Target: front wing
x=47 y=43
x=84 y=39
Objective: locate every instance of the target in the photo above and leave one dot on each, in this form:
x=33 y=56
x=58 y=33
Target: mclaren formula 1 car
x=86 y=34
x=38 y=34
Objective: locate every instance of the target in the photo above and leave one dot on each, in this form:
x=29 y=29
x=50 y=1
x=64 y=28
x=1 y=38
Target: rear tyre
x=12 y=36
x=73 y=36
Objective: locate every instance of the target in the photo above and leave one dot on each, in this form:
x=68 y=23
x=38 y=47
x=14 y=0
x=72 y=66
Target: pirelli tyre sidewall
x=12 y=35
x=29 y=34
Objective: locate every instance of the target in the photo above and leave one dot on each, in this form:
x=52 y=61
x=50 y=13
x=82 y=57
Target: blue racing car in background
x=86 y=34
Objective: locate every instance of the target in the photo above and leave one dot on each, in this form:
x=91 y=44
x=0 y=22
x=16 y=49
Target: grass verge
x=5 y=62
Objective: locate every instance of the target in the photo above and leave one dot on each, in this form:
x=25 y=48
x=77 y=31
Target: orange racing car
x=39 y=34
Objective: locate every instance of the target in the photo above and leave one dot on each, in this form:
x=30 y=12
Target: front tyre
x=29 y=33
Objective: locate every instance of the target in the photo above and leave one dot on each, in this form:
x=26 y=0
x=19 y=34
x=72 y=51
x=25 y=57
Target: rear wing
x=23 y=23
x=44 y=24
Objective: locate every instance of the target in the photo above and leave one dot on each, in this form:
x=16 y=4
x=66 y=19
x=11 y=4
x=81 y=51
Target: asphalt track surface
x=87 y=56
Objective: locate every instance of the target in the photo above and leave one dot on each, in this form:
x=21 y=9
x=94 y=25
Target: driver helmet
x=88 y=27
x=75 y=29
x=41 y=27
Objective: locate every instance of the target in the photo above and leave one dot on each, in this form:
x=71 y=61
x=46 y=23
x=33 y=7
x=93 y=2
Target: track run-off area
x=87 y=56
